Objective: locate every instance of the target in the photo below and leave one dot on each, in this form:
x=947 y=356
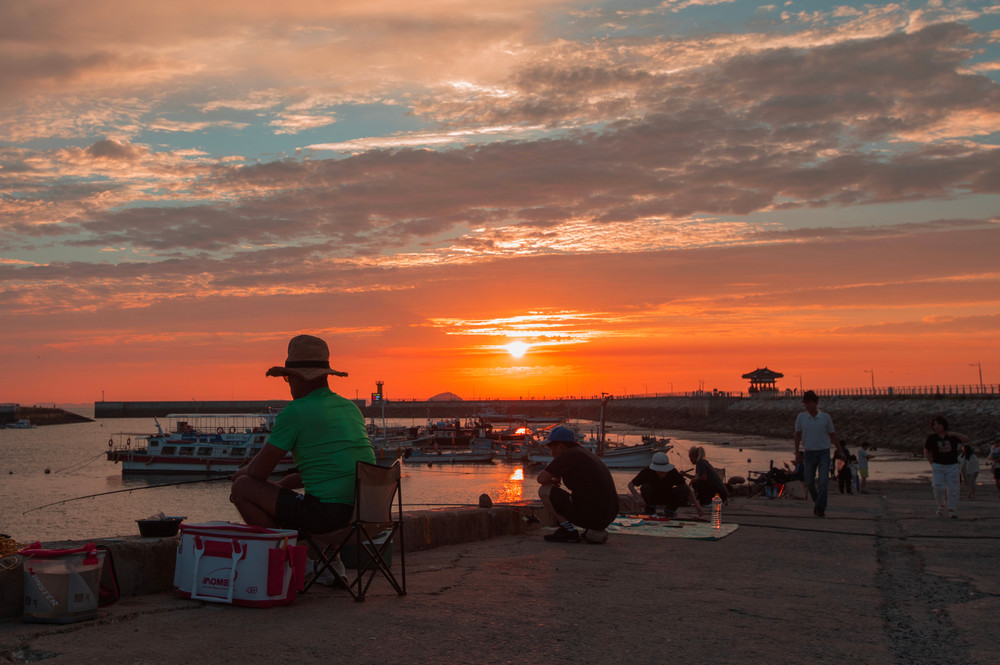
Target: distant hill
x=445 y=397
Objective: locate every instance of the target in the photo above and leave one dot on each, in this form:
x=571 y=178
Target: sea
x=56 y=483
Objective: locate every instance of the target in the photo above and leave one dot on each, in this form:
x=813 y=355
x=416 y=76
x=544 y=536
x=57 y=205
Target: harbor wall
x=890 y=421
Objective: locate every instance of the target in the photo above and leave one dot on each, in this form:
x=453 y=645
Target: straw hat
x=308 y=359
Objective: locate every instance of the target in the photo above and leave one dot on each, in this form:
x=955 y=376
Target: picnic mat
x=671 y=528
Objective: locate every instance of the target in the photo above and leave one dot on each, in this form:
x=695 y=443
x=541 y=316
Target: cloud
x=598 y=154
x=115 y=150
x=293 y=123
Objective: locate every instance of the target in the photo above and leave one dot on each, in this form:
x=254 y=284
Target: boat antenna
x=127 y=489
x=158 y=428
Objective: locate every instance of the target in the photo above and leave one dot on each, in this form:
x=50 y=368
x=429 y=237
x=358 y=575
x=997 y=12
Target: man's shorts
x=562 y=501
x=996 y=473
x=863 y=473
x=307 y=513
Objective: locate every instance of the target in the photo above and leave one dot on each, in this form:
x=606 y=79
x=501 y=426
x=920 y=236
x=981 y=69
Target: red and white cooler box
x=222 y=562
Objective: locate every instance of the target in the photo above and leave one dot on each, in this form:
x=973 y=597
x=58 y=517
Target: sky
x=525 y=199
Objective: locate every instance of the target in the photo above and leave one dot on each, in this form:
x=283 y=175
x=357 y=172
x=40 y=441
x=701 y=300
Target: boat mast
x=605 y=397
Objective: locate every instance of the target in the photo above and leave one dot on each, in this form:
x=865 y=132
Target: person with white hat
x=592 y=499
x=661 y=484
x=325 y=434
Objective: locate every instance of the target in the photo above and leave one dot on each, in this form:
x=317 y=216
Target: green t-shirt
x=326 y=435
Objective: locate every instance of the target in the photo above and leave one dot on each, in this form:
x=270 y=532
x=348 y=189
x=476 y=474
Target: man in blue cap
x=592 y=499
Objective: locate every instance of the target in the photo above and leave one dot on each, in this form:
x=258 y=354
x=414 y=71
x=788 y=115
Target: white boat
x=23 y=423
x=622 y=457
x=480 y=451
x=388 y=450
x=431 y=457
x=196 y=444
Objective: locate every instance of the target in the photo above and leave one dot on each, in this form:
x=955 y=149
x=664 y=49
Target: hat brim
x=662 y=467
x=306 y=373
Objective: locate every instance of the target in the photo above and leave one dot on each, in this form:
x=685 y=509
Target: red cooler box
x=222 y=562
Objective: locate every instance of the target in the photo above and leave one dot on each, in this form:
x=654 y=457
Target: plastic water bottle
x=716 y=512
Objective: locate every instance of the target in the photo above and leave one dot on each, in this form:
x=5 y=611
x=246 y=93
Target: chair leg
x=326 y=565
x=377 y=564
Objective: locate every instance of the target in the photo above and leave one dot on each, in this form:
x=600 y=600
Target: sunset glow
x=517 y=349
x=542 y=199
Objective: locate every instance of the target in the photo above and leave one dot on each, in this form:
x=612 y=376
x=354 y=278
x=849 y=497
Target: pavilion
x=762 y=380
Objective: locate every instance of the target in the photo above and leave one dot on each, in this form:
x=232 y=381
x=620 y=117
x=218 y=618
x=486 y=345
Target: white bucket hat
x=661 y=463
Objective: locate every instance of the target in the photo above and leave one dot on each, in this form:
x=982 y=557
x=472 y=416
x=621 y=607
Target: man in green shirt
x=326 y=436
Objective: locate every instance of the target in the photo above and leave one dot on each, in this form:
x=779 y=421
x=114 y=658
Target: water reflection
x=512 y=489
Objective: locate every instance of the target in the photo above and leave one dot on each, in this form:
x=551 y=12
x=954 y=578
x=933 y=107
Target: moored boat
x=622 y=457
x=480 y=451
x=196 y=444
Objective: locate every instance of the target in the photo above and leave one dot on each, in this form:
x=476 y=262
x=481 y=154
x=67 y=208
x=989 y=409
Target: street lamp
x=979 y=364
x=872 y=372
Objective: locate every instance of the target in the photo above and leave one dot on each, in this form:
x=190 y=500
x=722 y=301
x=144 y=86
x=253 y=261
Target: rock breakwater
x=898 y=423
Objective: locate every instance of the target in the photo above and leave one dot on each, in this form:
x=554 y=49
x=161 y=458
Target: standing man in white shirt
x=815 y=435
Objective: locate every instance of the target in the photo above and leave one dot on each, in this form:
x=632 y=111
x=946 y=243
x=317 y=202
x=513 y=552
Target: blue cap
x=561 y=435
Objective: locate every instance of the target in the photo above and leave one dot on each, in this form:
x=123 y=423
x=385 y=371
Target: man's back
x=586 y=476
x=326 y=436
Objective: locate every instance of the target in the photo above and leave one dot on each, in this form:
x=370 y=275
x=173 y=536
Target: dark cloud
x=115 y=150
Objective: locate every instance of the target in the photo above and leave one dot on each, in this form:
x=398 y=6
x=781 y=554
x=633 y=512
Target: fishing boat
x=196 y=444
x=23 y=423
x=480 y=451
x=622 y=457
x=614 y=457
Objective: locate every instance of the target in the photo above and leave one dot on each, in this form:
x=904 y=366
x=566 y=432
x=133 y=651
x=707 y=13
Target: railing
x=959 y=390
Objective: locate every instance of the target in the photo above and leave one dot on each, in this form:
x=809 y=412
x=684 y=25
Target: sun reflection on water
x=512 y=489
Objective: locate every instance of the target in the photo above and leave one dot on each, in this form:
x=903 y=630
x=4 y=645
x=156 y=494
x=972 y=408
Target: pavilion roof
x=763 y=374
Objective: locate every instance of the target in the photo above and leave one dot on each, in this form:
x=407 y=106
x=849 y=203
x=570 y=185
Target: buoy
x=47 y=471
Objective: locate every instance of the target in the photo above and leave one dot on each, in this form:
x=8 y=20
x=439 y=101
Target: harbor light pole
x=978 y=364
x=872 y=372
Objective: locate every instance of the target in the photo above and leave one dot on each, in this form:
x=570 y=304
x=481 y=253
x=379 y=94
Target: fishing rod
x=127 y=489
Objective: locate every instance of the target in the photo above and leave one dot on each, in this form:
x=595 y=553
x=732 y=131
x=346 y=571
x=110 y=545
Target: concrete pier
x=879 y=580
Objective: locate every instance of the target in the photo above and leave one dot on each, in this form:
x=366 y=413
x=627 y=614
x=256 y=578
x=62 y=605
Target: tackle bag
x=61 y=586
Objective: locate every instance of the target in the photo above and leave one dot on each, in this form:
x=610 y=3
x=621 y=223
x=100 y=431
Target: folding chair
x=375 y=490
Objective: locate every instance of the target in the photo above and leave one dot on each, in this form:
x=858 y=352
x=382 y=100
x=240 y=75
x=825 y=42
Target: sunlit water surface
x=60 y=463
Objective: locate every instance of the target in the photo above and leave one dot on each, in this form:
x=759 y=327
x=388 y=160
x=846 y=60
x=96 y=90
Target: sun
x=517 y=349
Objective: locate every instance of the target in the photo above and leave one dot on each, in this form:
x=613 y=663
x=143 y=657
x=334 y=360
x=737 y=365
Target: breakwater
x=891 y=421
x=38 y=415
x=895 y=422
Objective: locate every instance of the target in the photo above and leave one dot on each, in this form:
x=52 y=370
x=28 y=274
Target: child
x=863 y=457
x=970 y=469
x=853 y=463
x=844 y=477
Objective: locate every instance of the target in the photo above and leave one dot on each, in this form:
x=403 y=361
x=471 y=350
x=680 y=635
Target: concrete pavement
x=879 y=580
